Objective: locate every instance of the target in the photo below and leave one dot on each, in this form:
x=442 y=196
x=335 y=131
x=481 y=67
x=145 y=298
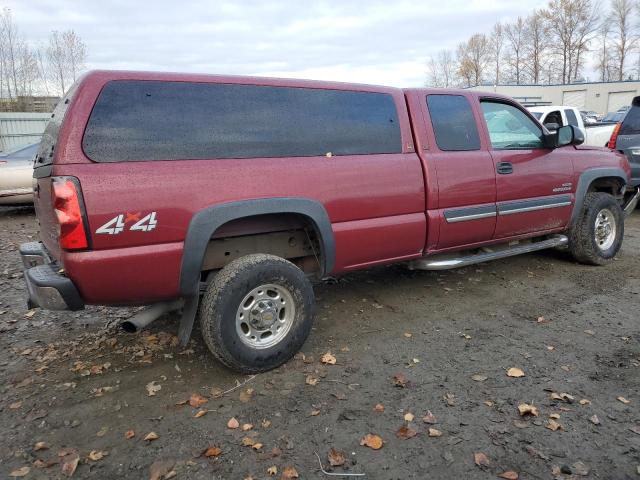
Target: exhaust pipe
x=145 y=317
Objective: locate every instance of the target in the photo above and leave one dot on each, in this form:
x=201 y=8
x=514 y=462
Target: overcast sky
x=383 y=42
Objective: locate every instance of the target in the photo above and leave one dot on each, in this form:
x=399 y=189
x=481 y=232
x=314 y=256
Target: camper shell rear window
x=164 y=120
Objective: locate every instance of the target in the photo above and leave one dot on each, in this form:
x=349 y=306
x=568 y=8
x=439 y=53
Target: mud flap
x=189 y=312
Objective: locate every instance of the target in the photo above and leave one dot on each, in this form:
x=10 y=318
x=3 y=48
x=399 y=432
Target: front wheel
x=257 y=312
x=597 y=235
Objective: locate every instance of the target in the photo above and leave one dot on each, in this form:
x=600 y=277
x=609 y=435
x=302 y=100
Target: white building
x=601 y=97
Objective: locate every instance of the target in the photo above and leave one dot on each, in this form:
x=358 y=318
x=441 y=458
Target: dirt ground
x=413 y=342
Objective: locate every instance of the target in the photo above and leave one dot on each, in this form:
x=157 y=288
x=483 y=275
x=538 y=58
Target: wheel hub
x=605 y=229
x=265 y=316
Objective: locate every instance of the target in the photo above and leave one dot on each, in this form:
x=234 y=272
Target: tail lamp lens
x=614 y=137
x=66 y=205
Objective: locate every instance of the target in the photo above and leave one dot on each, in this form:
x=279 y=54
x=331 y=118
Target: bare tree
x=625 y=33
x=473 y=57
x=496 y=41
x=10 y=46
x=76 y=52
x=603 y=60
x=571 y=24
x=535 y=45
x=57 y=60
x=516 y=34
x=441 y=69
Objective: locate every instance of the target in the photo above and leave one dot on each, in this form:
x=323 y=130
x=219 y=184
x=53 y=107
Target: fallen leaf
x=509 y=475
x=15 y=405
x=563 y=397
x=129 y=434
x=479 y=378
x=257 y=446
x=526 y=409
x=311 y=380
x=272 y=470
x=200 y=413
x=212 y=452
x=542 y=320
x=152 y=388
x=20 y=472
x=408 y=417
x=151 y=436
x=233 y=423
x=635 y=429
x=246 y=395
x=555 y=416
x=488 y=403
x=336 y=458
x=288 y=473
x=196 y=400
x=328 y=359
x=553 y=425
x=30 y=313
x=41 y=446
x=584 y=401
x=265 y=423
x=481 y=459
x=339 y=395
x=400 y=380
x=589 y=332
x=315 y=413
x=378 y=408
x=623 y=400
x=248 y=441
x=246 y=427
x=408 y=335
x=405 y=432
x=434 y=432
x=515 y=372
x=429 y=418
x=372 y=441
x=550 y=348
x=594 y=419
x=69 y=463
x=450 y=398
x=216 y=392
x=95 y=455
x=161 y=469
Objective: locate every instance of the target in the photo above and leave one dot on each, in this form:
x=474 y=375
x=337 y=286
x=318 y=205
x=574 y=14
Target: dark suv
x=628 y=139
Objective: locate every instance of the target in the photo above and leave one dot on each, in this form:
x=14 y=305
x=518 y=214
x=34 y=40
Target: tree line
x=551 y=45
x=48 y=69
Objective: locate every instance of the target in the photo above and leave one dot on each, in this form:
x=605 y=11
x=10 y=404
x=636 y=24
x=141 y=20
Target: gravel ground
x=420 y=345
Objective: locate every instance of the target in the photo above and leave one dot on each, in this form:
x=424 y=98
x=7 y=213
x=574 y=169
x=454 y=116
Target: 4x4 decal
x=119 y=223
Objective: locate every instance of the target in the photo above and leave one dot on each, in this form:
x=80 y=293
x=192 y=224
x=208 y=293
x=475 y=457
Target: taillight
x=614 y=136
x=66 y=205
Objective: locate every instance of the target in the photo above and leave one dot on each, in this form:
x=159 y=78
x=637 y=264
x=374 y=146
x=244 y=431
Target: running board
x=447 y=261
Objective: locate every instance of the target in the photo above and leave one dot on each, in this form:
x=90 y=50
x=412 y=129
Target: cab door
x=466 y=179
x=534 y=183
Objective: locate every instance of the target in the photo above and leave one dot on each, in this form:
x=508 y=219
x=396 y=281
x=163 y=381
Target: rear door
x=534 y=183
x=629 y=139
x=466 y=179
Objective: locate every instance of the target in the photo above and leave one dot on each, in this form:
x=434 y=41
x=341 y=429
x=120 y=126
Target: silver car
x=16 y=175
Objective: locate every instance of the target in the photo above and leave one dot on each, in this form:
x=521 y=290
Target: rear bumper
x=47 y=287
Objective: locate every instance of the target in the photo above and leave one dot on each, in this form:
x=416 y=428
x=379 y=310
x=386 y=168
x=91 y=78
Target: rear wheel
x=597 y=236
x=257 y=312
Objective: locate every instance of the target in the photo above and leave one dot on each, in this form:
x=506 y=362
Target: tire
x=257 y=313
x=595 y=246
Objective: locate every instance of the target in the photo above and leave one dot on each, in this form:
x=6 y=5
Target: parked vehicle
x=614 y=117
x=589 y=117
x=165 y=186
x=626 y=139
x=555 y=116
x=16 y=175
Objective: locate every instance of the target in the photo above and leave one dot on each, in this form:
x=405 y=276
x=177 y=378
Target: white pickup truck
x=594 y=134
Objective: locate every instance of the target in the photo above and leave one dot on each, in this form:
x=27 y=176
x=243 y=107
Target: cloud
x=362 y=41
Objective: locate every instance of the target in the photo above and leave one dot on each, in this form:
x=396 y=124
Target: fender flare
x=586 y=179
x=204 y=224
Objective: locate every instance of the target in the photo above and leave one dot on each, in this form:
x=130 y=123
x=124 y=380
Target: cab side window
x=453 y=123
x=571 y=117
x=554 y=117
x=510 y=128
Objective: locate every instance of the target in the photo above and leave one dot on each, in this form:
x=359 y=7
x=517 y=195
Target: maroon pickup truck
x=223 y=196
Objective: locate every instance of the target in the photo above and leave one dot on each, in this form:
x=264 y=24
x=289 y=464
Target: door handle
x=504 y=168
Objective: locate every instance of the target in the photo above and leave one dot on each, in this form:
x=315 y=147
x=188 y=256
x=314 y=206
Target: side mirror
x=552 y=126
x=569 y=135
